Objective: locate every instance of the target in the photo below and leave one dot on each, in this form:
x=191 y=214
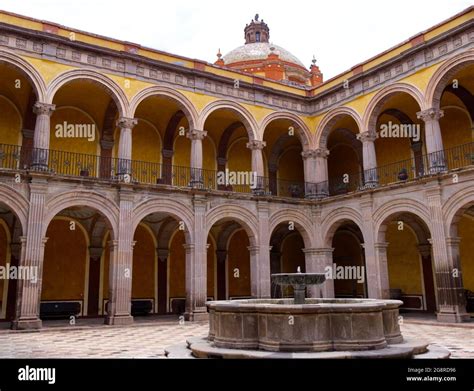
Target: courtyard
x=149 y=337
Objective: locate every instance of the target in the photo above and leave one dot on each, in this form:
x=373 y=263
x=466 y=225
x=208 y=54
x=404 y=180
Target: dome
x=259 y=51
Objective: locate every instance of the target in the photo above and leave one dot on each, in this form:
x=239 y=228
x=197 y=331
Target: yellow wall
x=238 y=257
x=10 y=124
x=144 y=252
x=466 y=233
x=404 y=262
x=455 y=128
x=64 y=262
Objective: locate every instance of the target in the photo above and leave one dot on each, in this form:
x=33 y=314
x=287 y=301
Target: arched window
x=257 y=36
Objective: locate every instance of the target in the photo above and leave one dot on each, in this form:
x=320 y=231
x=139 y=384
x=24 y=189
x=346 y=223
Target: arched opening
x=228 y=261
x=286 y=255
x=17 y=122
x=10 y=253
x=409 y=261
x=400 y=145
x=345 y=162
x=73 y=262
x=232 y=160
x=348 y=268
x=83 y=129
x=283 y=159
x=457 y=123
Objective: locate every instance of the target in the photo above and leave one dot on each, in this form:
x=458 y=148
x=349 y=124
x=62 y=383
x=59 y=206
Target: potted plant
x=403 y=174
x=84 y=171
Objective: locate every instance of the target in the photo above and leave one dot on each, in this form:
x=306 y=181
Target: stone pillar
x=26 y=148
x=451 y=299
x=256 y=146
x=28 y=295
x=167 y=167
x=275 y=268
x=317 y=261
x=92 y=308
x=433 y=139
x=259 y=271
x=162 y=305
x=43 y=113
x=316 y=173
x=369 y=158
x=106 y=147
x=125 y=147
x=427 y=268
x=273 y=178
x=196 y=136
x=221 y=282
x=196 y=265
x=378 y=285
x=221 y=166
x=121 y=265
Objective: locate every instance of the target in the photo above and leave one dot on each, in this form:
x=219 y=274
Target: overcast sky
x=341 y=33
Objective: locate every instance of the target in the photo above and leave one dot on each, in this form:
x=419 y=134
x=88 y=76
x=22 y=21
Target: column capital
x=167 y=153
x=126 y=123
x=196 y=134
x=221 y=161
x=43 y=108
x=107 y=144
x=28 y=133
x=430 y=115
x=315 y=153
x=95 y=252
x=367 y=137
x=453 y=241
x=424 y=249
x=381 y=245
x=163 y=253
x=318 y=251
x=256 y=145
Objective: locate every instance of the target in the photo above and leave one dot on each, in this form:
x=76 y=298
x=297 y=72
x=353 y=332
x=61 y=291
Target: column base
x=122 y=320
x=452 y=317
x=27 y=324
x=196 y=316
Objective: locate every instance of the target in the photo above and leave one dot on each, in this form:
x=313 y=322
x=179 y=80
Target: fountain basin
x=319 y=325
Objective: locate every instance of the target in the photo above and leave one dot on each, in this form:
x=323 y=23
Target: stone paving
x=149 y=339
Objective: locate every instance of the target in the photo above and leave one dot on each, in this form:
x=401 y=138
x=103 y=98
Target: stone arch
x=443 y=74
x=302 y=223
x=115 y=92
x=245 y=116
x=17 y=203
x=36 y=80
x=324 y=128
x=302 y=130
x=184 y=103
x=244 y=217
x=337 y=218
x=176 y=209
x=391 y=208
x=105 y=206
x=455 y=207
x=373 y=110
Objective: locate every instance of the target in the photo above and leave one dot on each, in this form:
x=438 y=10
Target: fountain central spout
x=299 y=281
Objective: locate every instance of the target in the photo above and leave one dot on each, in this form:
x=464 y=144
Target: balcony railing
x=14 y=157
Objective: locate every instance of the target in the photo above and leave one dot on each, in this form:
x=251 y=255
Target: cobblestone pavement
x=149 y=340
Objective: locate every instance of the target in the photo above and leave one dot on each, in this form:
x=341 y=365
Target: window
x=257 y=36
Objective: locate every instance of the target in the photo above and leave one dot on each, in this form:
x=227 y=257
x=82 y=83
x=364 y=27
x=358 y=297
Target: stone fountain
x=304 y=328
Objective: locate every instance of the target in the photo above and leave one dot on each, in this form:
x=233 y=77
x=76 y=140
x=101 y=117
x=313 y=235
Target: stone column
x=196 y=265
x=43 y=113
x=273 y=178
x=317 y=261
x=369 y=158
x=196 y=136
x=28 y=297
x=427 y=268
x=167 y=167
x=451 y=299
x=162 y=305
x=259 y=271
x=124 y=168
x=26 y=148
x=221 y=282
x=378 y=285
x=433 y=139
x=106 y=147
x=221 y=166
x=275 y=268
x=95 y=254
x=121 y=265
x=256 y=146
x=262 y=268
x=316 y=173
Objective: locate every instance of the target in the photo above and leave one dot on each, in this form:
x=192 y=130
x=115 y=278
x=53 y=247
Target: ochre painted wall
x=64 y=262
x=238 y=257
x=177 y=266
x=404 y=269
x=143 y=274
x=10 y=124
x=466 y=233
x=455 y=128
